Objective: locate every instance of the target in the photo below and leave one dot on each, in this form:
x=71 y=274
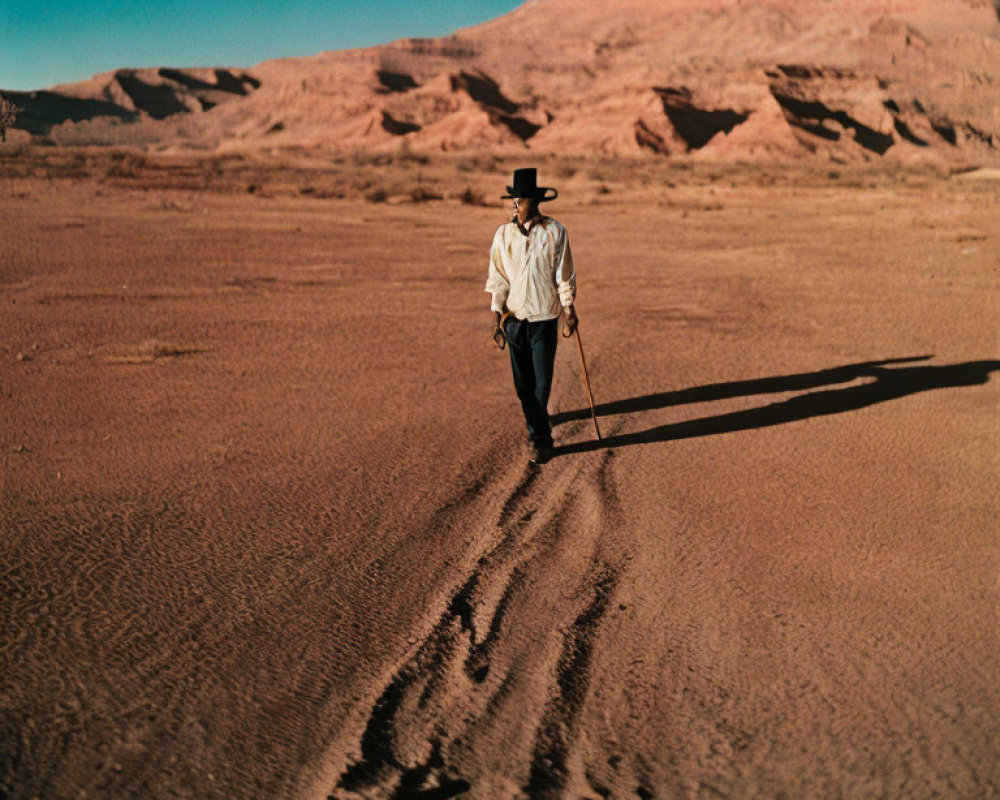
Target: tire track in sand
x=453 y=683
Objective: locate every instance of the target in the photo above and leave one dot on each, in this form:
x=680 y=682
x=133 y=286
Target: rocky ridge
x=904 y=80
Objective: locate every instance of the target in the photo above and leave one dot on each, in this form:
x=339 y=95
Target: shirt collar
x=532 y=223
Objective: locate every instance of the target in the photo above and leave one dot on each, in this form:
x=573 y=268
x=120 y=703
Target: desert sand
x=269 y=532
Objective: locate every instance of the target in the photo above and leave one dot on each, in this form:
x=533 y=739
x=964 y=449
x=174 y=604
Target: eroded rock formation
x=908 y=81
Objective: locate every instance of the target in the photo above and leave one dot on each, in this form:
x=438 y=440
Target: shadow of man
x=887 y=384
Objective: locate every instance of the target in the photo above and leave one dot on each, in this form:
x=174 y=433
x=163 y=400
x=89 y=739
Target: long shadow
x=888 y=384
x=722 y=391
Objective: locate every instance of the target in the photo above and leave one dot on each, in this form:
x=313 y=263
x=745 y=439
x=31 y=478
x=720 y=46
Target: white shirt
x=532 y=276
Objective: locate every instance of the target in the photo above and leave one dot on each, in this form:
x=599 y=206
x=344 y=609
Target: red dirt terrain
x=268 y=528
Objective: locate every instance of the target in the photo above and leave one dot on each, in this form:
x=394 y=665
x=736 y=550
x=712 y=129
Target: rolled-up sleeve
x=565 y=274
x=497 y=284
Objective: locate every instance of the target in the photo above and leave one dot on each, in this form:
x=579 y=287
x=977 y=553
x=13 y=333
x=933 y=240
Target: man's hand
x=571 y=318
x=498 y=335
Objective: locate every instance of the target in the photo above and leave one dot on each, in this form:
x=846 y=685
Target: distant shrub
x=373 y=159
x=408 y=156
x=377 y=196
x=422 y=195
x=125 y=165
x=8 y=115
x=566 y=171
x=471 y=198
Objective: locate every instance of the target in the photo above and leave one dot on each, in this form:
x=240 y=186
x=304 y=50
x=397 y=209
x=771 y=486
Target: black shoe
x=538 y=454
x=534 y=453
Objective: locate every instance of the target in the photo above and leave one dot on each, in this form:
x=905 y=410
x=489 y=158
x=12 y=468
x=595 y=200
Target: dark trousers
x=532 y=348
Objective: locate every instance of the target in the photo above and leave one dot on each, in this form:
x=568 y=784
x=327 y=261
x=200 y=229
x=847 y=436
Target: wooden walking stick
x=586 y=375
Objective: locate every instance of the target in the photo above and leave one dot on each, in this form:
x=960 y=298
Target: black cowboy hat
x=526 y=185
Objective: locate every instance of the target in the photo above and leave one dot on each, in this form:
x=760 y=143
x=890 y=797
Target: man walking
x=532 y=282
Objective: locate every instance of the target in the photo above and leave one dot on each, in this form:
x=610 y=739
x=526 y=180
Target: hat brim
x=540 y=195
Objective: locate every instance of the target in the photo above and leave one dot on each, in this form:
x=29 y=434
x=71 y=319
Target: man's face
x=525 y=207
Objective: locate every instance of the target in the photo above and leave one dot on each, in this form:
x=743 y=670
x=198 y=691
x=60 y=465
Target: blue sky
x=45 y=42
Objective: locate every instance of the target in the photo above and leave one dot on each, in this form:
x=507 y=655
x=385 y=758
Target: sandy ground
x=268 y=530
